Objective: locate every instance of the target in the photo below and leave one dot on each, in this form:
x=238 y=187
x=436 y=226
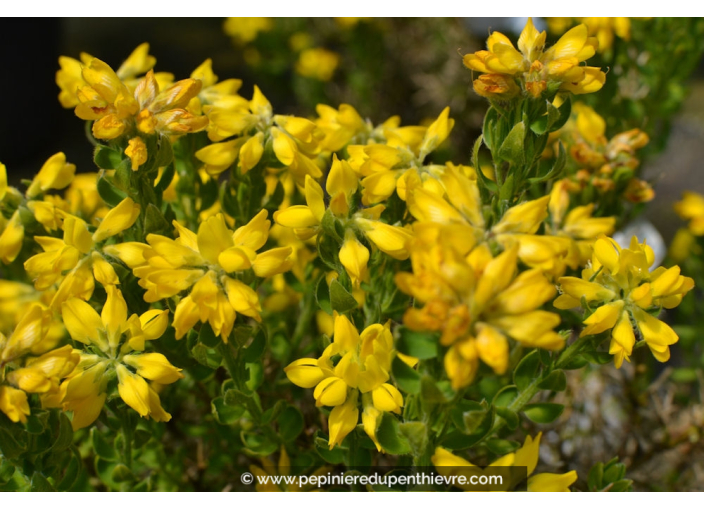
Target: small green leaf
x=65 y=436
x=505 y=396
x=596 y=476
x=121 y=474
x=290 y=423
x=510 y=417
x=39 y=483
x=556 y=381
x=108 y=192
x=576 y=363
x=165 y=180
x=332 y=456
x=340 y=299
x=106 y=158
x=225 y=415
x=417 y=344
x=322 y=295
x=417 y=434
x=154 y=222
x=254 y=351
x=406 y=377
x=390 y=437
x=527 y=370
x=430 y=392
x=543 y=413
x=165 y=154
x=101 y=446
x=273 y=412
x=512 y=149
x=502 y=446
x=329 y=225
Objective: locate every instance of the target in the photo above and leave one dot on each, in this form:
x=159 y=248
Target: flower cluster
x=353 y=365
x=533 y=69
x=620 y=288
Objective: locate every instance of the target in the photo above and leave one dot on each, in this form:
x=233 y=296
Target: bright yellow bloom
x=578 y=224
x=137 y=152
x=340 y=126
x=56 y=173
x=11 y=239
x=317 y=63
x=691 y=208
x=535 y=67
x=527 y=455
x=25 y=374
x=620 y=287
x=363 y=367
x=115 y=109
x=116 y=337
x=478 y=302
x=245 y=30
x=205 y=263
x=212 y=92
x=79 y=254
x=457 y=205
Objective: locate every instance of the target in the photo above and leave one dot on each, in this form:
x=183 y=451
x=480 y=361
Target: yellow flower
x=691 y=208
x=535 y=67
x=317 y=63
x=449 y=464
x=477 y=302
x=363 y=367
x=340 y=126
x=206 y=263
x=620 y=287
x=79 y=254
x=137 y=152
x=115 y=109
x=11 y=239
x=25 y=374
x=116 y=336
x=56 y=173
x=245 y=30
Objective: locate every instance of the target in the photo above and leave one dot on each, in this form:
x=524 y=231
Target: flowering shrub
x=241 y=282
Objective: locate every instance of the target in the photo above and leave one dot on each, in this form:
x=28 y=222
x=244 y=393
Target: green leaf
x=340 y=299
x=290 y=423
x=39 y=483
x=165 y=154
x=235 y=397
x=106 y=158
x=512 y=149
x=329 y=225
x=502 y=446
x=557 y=166
x=207 y=337
x=108 y=192
x=576 y=363
x=154 y=222
x=225 y=415
x=101 y=446
x=490 y=120
x=406 y=377
x=200 y=354
x=510 y=417
x=556 y=381
x=390 y=437
x=478 y=423
x=429 y=391
x=596 y=476
x=121 y=474
x=417 y=344
x=6 y=470
x=332 y=456
x=565 y=110
x=505 y=396
x=254 y=351
x=527 y=370
x=273 y=412
x=322 y=295
x=543 y=413
x=65 y=436
x=260 y=443
x=417 y=434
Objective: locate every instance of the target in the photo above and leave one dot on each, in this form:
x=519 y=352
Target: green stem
x=302 y=327
x=231 y=364
x=525 y=396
